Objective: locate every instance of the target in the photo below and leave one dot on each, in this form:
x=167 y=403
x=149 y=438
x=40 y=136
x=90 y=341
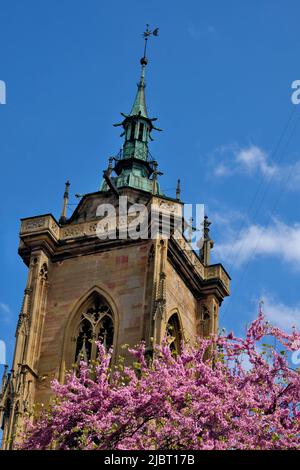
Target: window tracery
x=96 y=324
x=173 y=333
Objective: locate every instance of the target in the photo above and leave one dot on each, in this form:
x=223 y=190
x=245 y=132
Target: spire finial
x=178 y=190
x=156 y=173
x=206 y=225
x=63 y=216
x=146 y=34
x=4 y=377
x=260 y=306
x=110 y=166
x=207 y=242
x=139 y=105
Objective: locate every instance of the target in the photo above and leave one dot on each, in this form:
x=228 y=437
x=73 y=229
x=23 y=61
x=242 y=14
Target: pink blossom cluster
x=224 y=393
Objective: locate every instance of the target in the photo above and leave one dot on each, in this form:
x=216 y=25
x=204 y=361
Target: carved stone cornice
x=80 y=238
x=201 y=280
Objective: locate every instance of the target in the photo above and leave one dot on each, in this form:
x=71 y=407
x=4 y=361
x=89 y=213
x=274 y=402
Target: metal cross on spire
x=146 y=34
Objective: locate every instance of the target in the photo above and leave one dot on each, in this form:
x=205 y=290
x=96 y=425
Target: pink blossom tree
x=234 y=397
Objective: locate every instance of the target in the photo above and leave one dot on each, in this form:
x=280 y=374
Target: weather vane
x=146 y=35
x=261 y=303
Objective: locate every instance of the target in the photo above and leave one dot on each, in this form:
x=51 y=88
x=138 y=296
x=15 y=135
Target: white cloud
x=4 y=307
x=226 y=215
x=2 y=352
x=253 y=158
x=231 y=159
x=277 y=240
x=222 y=170
x=5 y=312
x=196 y=32
x=280 y=314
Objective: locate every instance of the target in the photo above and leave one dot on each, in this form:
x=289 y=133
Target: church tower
x=96 y=276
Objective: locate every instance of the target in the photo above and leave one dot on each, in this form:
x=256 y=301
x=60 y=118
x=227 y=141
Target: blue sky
x=219 y=80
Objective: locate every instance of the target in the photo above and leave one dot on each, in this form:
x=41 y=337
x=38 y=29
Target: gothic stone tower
x=119 y=289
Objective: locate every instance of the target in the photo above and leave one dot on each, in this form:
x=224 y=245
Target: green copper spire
x=139 y=106
x=134 y=166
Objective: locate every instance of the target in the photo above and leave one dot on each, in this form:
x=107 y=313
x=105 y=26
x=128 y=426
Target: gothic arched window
x=173 y=333
x=96 y=324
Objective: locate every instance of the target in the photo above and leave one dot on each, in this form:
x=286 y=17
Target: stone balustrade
x=43 y=223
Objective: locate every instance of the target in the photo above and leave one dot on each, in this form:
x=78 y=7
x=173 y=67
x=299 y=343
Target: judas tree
x=223 y=393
